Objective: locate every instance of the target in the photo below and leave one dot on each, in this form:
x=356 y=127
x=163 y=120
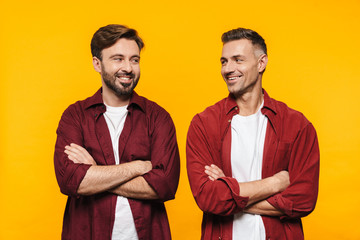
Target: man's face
x=119 y=67
x=241 y=66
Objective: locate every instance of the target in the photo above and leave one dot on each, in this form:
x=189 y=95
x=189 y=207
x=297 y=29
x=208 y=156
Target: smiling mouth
x=125 y=79
x=232 y=78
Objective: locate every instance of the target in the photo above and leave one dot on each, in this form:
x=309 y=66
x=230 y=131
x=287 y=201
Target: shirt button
x=229 y=120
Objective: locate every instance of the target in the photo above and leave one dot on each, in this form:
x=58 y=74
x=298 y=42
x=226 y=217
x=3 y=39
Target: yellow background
x=46 y=65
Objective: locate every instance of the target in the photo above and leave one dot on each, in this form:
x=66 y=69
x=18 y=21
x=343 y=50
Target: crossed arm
x=257 y=191
x=123 y=179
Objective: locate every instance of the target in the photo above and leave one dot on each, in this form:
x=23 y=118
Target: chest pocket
x=138 y=148
x=282 y=156
x=137 y=145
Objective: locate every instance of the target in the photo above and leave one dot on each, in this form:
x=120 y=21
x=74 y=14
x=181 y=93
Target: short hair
x=243 y=33
x=108 y=35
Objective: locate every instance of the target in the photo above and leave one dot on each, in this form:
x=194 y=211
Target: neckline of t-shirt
x=116 y=110
x=252 y=116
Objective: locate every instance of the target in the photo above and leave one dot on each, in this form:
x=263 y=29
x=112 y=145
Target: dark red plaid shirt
x=148 y=134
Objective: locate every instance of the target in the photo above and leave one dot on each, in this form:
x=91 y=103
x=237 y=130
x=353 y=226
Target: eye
x=223 y=62
x=118 y=59
x=238 y=60
x=135 y=60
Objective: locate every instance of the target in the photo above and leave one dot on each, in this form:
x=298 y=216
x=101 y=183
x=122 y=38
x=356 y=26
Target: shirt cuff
x=73 y=178
x=156 y=179
x=233 y=185
x=282 y=204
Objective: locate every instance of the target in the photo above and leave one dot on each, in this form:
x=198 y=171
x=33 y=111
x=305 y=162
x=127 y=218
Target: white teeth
x=233 y=78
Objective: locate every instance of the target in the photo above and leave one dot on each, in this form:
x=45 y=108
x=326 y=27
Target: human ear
x=263 y=60
x=97 y=64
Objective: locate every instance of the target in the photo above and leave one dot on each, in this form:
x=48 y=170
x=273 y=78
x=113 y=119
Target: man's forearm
x=136 y=188
x=102 y=178
x=255 y=190
x=263 y=208
x=261 y=189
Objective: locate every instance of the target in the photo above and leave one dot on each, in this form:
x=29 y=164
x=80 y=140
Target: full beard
x=125 y=88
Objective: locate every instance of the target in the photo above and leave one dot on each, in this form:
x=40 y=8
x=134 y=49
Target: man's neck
x=249 y=102
x=112 y=100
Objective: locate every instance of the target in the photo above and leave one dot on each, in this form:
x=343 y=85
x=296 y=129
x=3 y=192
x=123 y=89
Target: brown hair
x=243 y=33
x=107 y=36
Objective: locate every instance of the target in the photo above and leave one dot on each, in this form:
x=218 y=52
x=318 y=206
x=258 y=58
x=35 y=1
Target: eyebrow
x=120 y=55
x=234 y=56
x=237 y=56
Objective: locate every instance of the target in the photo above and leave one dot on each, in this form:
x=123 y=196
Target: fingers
x=78 y=154
x=71 y=156
x=214 y=172
x=148 y=165
x=82 y=151
x=74 y=153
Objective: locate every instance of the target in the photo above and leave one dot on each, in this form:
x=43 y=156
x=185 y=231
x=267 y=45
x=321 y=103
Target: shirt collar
x=137 y=100
x=269 y=103
x=97 y=99
x=231 y=104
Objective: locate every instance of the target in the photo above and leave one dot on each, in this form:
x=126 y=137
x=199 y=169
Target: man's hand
x=214 y=172
x=78 y=154
x=282 y=181
x=144 y=166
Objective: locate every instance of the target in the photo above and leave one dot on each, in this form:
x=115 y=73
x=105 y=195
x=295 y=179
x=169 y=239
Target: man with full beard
x=116 y=154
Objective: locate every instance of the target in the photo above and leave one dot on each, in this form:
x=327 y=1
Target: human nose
x=126 y=67
x=229 y=67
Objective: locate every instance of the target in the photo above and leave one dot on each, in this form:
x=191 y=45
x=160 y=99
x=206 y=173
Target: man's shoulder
x=150 y=110
x=214 y=111
x=150 y=107
x=212 y=118
x=79 y=107
x=289 y=115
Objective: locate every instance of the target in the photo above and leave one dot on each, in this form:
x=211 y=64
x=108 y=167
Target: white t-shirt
x=124 y=226
x=247 y=147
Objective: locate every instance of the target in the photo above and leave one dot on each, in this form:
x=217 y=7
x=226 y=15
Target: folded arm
x=214 y=191
x=256 y=191
x=263 y=208
x=123 y=179
x=136 y=188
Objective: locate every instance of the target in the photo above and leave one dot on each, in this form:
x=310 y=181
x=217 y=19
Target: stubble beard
x=126 y=89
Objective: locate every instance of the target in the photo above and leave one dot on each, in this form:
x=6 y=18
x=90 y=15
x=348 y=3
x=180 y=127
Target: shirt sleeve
x=222 y=196
x=68 y=174
x=164 y=177
x=299 y=199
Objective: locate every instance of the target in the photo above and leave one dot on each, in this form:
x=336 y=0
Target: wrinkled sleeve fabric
x=164 y=177
x=68 y=174
x=221 y=196
x=299 y=199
